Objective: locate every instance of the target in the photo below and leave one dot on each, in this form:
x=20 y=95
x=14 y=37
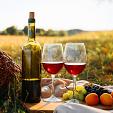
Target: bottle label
x=32 y=79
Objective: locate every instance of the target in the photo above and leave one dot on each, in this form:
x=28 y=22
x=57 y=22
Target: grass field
x=99 y=47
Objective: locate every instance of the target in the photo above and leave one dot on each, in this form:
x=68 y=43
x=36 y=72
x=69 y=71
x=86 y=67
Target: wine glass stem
x=74 y=86
x=53 y=77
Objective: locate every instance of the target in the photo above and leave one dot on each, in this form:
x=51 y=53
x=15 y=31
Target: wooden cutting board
x=42 y=107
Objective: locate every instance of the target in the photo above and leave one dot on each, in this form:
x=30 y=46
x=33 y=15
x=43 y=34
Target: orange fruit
x=106 y=99
x=92 y=99
x=112 y=94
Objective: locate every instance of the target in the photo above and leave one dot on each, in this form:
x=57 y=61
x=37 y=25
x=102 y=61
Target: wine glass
x=74 y=61
x=52 y=60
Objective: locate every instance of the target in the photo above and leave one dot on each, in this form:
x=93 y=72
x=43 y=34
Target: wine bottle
x=31 y=65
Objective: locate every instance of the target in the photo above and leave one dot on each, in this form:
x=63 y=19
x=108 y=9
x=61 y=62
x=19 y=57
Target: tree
x=40 y=32
x=12 y=30
x=25 y=30
x=20 y=32
x=62 y=33
x=50 y=32
x=3 y=32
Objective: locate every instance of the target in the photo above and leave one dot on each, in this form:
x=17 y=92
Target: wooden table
x=48 y=107
x=45 y=107
x=42 y=107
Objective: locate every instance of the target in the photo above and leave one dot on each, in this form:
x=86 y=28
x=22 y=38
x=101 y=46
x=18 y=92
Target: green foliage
x=50 y=32
x=25 y=30
x=12 y=30
x=62 y=33
x=3 y=32
x=20 y=32
x=9 y=98
x=99 y=67
x=39 y=32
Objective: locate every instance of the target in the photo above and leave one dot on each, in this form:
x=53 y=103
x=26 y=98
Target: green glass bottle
x=31 y=65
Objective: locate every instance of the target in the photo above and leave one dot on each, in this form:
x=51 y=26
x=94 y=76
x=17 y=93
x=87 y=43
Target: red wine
x=75 y=68
x=52 y=67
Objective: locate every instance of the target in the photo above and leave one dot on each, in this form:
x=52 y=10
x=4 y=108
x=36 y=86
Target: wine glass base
x=73 y=101
x=52 y=99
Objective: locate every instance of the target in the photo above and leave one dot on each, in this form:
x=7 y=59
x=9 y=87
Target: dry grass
x=99 y=47
x=12 y=44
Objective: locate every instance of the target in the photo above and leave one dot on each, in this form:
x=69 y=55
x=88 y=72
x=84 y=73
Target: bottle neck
x=31 y=29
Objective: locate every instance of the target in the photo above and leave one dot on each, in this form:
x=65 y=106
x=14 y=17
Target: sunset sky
x=58 y=14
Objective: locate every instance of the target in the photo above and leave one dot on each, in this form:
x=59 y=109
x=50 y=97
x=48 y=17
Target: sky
x=92 y=15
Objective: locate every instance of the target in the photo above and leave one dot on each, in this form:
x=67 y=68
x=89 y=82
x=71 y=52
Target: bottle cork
x=31 y=15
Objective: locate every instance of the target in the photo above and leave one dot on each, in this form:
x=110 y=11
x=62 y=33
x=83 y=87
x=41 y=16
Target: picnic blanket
x=77 y=108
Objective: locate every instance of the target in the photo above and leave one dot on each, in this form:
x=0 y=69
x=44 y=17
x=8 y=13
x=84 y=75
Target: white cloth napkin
x=77 y=108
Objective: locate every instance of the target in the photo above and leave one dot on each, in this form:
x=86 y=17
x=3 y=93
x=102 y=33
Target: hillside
x=74 y=31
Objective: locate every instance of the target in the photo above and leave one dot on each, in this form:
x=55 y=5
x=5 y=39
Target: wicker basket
x=8 y=69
